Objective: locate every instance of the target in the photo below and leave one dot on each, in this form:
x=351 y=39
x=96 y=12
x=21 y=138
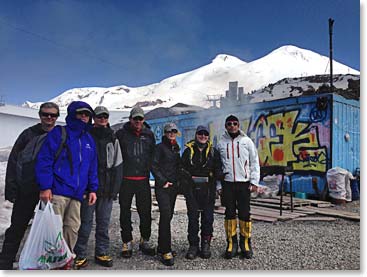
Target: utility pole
x=331 y=22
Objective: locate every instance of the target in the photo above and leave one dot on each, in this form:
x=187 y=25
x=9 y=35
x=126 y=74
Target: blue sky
x=47 y=47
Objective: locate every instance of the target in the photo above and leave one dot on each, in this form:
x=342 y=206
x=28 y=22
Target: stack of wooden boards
x=303 y=210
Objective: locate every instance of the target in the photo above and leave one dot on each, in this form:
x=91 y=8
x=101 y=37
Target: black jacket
x=206 y=163
x=11 y=186
x=109 y=162
x=137 y=150
x=166 y=163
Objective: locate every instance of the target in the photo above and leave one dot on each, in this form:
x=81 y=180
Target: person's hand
x=167 y=184
x=46 y=195
x=92 y=198
x=253 y=188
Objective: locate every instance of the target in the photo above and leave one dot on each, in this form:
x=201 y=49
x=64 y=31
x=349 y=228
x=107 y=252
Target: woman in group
x=165 y=168
x=202 y=163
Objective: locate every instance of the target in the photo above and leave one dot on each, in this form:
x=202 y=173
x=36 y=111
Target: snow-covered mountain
x=193 y=87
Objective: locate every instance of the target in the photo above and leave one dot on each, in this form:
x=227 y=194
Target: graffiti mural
x=282 y=138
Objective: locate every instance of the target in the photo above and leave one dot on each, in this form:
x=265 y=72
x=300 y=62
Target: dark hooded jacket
x=75 y=171
x=109 y=162
x=11 y=185
x=137 y=150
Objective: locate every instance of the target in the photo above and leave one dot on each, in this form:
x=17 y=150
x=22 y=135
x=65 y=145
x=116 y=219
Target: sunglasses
x=231 y=123
x=138 y=118
x=100 y=116
x=172 y=131
x=203 y=133
x=53 y=115
x=85 y=113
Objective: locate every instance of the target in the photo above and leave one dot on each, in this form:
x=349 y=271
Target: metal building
x=310 y=133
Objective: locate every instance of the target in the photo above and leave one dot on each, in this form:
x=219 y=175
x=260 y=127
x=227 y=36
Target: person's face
x=232 y=126
x=202 y=136
x=137 y=123
x=101 y=120
x=171 y=135
x=48 y=116
x=83 y=116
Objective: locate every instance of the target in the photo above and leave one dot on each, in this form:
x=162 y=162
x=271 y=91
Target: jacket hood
x=191 y=145
x=73 y=122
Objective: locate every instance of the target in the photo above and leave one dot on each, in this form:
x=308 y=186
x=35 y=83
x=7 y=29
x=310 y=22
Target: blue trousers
x=102 y=208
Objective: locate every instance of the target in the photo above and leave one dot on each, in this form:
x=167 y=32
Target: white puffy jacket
x=239 y=158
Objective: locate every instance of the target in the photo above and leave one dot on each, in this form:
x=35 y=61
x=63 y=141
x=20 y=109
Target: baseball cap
x=137 y=111
x=202 y=128
x=101 y=110
x=84 y=109
x=170 y=127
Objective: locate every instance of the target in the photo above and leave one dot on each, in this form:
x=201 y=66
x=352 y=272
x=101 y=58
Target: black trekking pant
x=143 y=199
x=23 y=210
x=237 y=196
x=166 y=198
x=200 y=200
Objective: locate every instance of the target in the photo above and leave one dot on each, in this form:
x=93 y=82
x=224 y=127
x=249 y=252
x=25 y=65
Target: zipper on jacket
x=234 y=169
x=238 y=149
x=227 y=151
x=80 y=162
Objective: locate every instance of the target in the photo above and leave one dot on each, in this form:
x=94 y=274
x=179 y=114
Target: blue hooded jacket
x=75 y=171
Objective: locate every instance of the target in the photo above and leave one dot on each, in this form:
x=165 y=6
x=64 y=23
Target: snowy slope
x=193 y=87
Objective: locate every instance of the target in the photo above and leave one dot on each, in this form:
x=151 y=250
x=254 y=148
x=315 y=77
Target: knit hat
x=232 y=118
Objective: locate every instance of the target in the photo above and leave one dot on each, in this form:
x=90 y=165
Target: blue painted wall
x=306 y=132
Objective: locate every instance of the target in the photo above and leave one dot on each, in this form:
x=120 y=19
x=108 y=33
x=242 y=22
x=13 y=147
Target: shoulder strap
x=62 y=144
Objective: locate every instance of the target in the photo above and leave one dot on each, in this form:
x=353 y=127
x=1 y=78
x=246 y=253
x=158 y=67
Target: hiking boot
x=205 y=247
x=127 y=249
x=230 y=226
x=167 y=259
x=147 y=247
x=159 y=252
x=80 y=262
x=192 y=253
x=104 y=260
x=245 y=239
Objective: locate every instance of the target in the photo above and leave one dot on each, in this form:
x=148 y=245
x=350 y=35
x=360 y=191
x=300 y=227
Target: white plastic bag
x=45 y=247
x=338 y=180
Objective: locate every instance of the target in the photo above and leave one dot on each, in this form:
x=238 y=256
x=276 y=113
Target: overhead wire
x=44 y=38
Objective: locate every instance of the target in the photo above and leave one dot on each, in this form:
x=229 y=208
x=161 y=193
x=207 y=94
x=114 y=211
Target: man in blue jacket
x=65 y=181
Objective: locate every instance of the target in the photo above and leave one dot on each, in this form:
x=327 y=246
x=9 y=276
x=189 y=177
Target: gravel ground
x=288 y=245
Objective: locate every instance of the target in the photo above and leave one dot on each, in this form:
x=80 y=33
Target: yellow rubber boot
x=245 y=239
x=230 y=226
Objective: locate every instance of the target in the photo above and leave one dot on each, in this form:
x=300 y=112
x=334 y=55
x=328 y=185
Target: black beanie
x=231 y=118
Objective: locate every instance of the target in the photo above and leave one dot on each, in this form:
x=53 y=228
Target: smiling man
x=24 y=196
x=137 y=146
x=242 y=174
x=66 y=180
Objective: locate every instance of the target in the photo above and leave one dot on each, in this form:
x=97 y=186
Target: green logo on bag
x=55 y=252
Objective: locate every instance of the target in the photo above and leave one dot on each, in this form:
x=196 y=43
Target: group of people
x=83 y=174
